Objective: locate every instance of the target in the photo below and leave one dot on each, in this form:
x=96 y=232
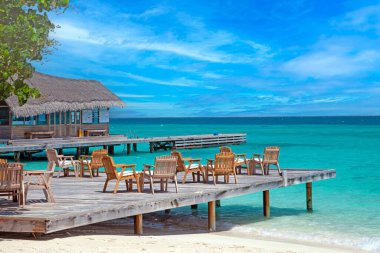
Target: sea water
x=346 y=209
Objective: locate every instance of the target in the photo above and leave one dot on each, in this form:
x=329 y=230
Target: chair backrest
x=2 y=161
x=109 y=167
x=224 y=149
x=224 y=163
x=97 y=156
x=180 y=162
x=165 y=166
x=51 y=166
x=11 y=176
x=271 y=155
x=52 y=156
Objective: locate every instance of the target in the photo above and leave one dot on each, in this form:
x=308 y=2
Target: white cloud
x=157 y=11
x=364 y=19
x=178 y=82
x=332 y=59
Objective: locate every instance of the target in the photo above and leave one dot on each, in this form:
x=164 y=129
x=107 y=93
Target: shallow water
x=346 y=209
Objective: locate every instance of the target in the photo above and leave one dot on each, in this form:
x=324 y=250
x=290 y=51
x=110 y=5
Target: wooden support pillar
x=266 y=206
x=135 y=147
x=211 y=217
x=104 y=146
x=217 y=202
x=111 y=150
x=151 y=148
x=138 y=224
x=309 y=197
x=87 y=150
x=60 y=151
x=17 y=156
x=128 y=148
x=194 y=207
x=79 y=152
x=167 y=211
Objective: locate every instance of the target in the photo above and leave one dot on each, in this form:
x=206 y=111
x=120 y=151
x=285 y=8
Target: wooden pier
x=155 y=143
x=79 y=201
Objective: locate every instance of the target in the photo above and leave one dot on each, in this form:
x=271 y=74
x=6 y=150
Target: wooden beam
x=309 y=197
x=266 y=206
x=217 y=202
x=151 y=148
x=211 y=217
x=135 y=147
x=128 y=148
x=138 y=224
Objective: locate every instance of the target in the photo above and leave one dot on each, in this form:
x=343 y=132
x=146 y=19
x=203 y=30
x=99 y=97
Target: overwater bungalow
x=66 y=107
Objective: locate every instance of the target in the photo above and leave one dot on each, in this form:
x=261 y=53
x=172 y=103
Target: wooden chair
x=12 y=182
x=223 y=165
x=270 y=157
x=193 y=166
x=123 y=175
x=41 y=179
x=62 y=162
x=92 y=162
x=165 y=168
x=241 y=161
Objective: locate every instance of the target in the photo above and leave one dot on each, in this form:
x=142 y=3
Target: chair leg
x=151 y=185
x=126 y=185
x=262 y=169
x=105 y=185
x=278 y=168
x=176 y=184
x=184 y=178
x=116 y=186
x=214 y=178
x=166 y=184
x=90 y=171
x=138 y=183
x=235 y=178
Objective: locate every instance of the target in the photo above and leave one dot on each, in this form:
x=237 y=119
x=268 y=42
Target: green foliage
x=24 y=38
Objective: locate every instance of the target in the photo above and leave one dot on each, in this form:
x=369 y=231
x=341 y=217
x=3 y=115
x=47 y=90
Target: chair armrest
x=243 y=155
x=187 y=159
x=256 y=155
x=85 y=156
x=147 y=166
x=195 y=159
x=210 y=160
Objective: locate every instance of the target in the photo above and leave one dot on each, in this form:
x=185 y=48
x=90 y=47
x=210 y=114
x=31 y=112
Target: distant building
x=65 y=106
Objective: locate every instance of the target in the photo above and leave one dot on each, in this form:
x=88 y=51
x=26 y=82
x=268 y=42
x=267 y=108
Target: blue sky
x=225 y=58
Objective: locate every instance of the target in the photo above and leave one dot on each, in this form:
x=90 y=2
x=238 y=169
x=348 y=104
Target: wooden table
x=39 y=179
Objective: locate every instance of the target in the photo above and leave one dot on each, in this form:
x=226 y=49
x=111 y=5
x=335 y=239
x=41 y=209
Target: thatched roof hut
x=63 y=94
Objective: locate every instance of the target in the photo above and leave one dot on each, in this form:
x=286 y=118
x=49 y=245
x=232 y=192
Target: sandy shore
x=117 y=236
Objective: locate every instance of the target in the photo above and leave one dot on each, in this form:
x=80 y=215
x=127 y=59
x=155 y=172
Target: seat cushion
x=194 y=166
x=126 y=173
x=86 y=161
x=65 y=164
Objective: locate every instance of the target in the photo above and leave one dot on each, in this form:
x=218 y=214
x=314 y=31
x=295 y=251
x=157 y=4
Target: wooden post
x=309 y=197
x=128 y=148
x=79 y=152
x=60 y=151
x=111 y=150
x=135 y=147
x=211 y=216
x=16 y=156
x=167 y=211
x=217 y=202
x=266 y=206
x=138 y=224
x=151 y=149
x=194 y=207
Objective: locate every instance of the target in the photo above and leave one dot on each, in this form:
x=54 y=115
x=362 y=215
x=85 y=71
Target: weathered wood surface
x=80 y=201
x=74 y=142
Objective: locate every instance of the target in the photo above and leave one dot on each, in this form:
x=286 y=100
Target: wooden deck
x=79 y=201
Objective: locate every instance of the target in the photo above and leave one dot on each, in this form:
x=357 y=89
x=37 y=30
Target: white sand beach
x=117 y=236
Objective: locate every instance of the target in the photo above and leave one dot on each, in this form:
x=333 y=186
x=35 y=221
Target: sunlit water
x=346 y=209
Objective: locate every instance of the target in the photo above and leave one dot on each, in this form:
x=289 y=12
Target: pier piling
x=135 y=147
x=138 y=224
x=266 y=206
x=211 y=217
x=309 y=197
x=128 y=148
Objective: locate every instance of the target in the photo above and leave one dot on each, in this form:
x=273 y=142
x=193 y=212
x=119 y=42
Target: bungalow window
x=75 y=117
x=95 y=116
x=4 y=116
x=41 y=119
x=18 y=121
x=30 y=121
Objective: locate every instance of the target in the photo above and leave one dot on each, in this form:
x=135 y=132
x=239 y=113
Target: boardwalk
x=79 y=201
x=156 y=143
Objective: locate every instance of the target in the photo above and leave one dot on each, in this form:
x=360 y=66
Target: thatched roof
x=64 y=94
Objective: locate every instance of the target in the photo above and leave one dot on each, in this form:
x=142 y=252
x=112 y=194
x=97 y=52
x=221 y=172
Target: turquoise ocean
x=346 y=209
